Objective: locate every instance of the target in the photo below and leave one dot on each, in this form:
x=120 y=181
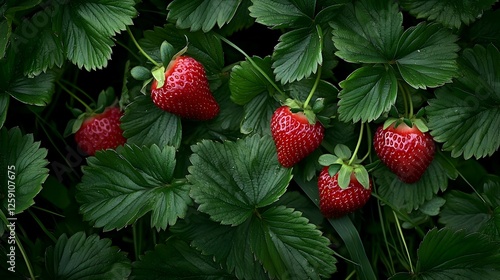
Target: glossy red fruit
x=335 y=202
x=186 y=91
x=294 y=137
x=405 y=150
x=100 y=132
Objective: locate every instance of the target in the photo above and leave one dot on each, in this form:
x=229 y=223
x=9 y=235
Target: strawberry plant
x=249 y=139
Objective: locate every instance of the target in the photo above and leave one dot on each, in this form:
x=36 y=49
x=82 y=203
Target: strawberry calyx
x=408 y=123
x=346 y=165
x=302 y=114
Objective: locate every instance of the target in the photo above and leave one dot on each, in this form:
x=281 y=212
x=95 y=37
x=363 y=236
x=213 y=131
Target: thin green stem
x=251 y=62
x=74 y=96
x=400 y=231
x=369 y=140
x=360 y=137
x=141 y=50
x=78 y=89
x=405 y=100
x=313 y=89
x=386 y=241
x=129 y=50
x=42 y=226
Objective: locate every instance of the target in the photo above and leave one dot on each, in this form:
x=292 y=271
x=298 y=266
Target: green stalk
x=87 y=107
x=386 y=241
x=369 y=141
x=405 y=101
x=78 y=89
x=400 y=231
x=42 y=226
x=360 y=137
x=251 y=62
x=141 y=50
x=313 y=89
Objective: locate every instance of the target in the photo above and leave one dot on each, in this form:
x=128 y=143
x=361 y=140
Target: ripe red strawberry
x=294 y=136
x=100 y=132
x=335 y=202
x=186 y=92
x=405 y=150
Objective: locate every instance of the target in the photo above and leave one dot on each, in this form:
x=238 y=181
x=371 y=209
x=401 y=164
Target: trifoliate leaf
x=87 y=27
x=408 y=197
x=283 y=13
x=469 y=212
x=258 y=113
x=450 y=13
x=119 y=187
x=183 y=262
x=298 y=54
x=24 y=165
x=82 y=257
x=205 y=48
x=288 y=246
x=246 y=81
x=231 y=179
x=144 y=124
x=367 y=93
x=200 y=14
x=426 y=55
x=464 y=113
x=450 y=254
x=367 y=31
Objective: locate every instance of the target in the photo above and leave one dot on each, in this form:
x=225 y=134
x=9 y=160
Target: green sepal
x=420 y=113
x=334 y=169
x=293 y=104
x=327 y=159
x=318 y=105
x=342 y=151
x=140 y=73
x=159 y=75
x=145 y=84
x=389 y=122
x=167 y=53
x=344 y=177
x=105 y=99
x=393 y=112
x=311 y=117
x=408 y=122
x=421 y=125
x=362 y=176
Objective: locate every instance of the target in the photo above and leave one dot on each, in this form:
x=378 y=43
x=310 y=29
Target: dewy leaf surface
x=82 y=257
x=87 y=27
x=450 y=13
x=426 y=55
x=119 y=187
x=367 y=93
x=27 y=161
x=464 y=115
x=154 y=127
x=231 y=179
x=202 y=14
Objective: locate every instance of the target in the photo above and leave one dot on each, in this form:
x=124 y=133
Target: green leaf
x=119 y=187
x=82 y=257
x=211 y=238
x=432 y=207
x=33 y=91
x=246 y=81
x=407 y=197
x=486 y=30
x=367 y=93
x=368 y=31
x=327 y=159
x=426 y=55
x=290 y=247
x=258 y=113
x=342 y=151
x=469 y=212
x=4 y=106
x=449 y=254
x=204 y=47
x=463 y=113
x=183 y=262
x=156 y=127
x=5 y=32
x=87 y=27
x=42 y=48
x=231 y=179
x=201 y=15
x=283 y=13
x=450 y=13
x=240 y=21
x=141 y=73
x=24 y=170
x=298 y=54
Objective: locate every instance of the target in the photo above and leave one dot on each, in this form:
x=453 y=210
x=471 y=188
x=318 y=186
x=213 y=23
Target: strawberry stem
x=313 y=89
x=141 y=50
x=400 y=231
x=251 y=62
x=75 y=97
x=369 y=140
x=408 y=103
x=360 y=137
